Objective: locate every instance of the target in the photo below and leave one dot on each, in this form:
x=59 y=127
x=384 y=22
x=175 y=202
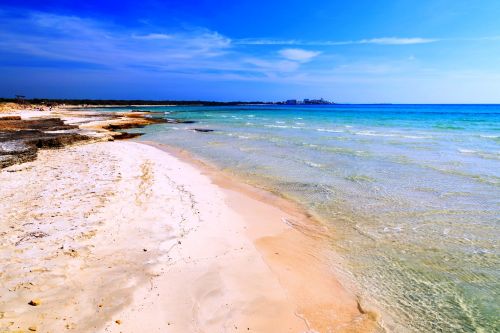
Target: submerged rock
x=179 y=121
x=203 y=130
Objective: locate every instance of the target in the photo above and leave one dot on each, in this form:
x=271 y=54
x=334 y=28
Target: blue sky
x=427 y=51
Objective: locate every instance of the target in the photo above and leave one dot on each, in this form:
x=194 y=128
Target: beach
x=407 y=195
x=123 y=236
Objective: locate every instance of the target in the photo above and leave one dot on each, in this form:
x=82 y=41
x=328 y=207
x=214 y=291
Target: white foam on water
x=312 y=164
x=329 y=130
x=277 y=126
x=467 y=151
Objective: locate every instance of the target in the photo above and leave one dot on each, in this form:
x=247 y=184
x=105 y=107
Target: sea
x=410 y=195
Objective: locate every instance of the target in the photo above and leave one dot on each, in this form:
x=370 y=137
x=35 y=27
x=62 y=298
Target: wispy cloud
x=52 y=38
x=45 y=39
x=72 y=38
x=380 y=41
x=299 y=54
x=153 y=36
x=396 y=41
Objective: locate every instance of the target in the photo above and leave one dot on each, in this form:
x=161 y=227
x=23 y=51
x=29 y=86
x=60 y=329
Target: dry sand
x=124 y=237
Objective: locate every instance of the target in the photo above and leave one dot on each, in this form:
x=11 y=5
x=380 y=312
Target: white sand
x=122 y=237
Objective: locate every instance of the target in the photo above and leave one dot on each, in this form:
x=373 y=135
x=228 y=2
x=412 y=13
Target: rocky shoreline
x=24 y=132
x=20 y=139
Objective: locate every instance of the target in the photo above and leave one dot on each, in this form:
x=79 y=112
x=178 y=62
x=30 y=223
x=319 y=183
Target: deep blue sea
x=410 y=195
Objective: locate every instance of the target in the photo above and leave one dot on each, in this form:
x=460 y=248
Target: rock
x=35 y=302
x=118 y=321
x=125 y=135
x=21 y=139
x=31 y=235
x=46 y=124
x=10 y=118
x=32 y=328
x=134 y=122
x=179 y=121
x=203 y=130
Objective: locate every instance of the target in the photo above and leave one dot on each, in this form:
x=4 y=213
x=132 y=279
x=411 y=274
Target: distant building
x=20 y=99
x=307 y=101
x=320 y=101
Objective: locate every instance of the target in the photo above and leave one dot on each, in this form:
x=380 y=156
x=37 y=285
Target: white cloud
x=85 y=40
x=263 y=41
x=153 y=36
x=273 y=66
x=299 y=55
x=380 y=41
x=396 y=41
x=90 y=43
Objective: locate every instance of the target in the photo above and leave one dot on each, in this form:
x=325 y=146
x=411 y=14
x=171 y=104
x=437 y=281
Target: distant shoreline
x=103 y=103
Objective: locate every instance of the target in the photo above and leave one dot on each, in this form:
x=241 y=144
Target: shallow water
x=410 y=193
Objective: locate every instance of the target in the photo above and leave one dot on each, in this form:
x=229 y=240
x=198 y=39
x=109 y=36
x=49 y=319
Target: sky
x=364 y=51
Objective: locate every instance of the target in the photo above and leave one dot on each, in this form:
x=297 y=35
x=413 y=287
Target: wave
x=314 y=165
x=482 y=154
x=416 y=137
x=449 y=127
x=467 y=151
x=277 y=126
x=329 y=130
x=372 y=133
x=360 y=178
x=486 y=179
x=345 y=151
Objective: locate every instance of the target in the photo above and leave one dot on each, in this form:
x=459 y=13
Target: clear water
x=410 y=193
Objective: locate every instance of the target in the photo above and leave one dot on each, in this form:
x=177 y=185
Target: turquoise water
x=410 y=194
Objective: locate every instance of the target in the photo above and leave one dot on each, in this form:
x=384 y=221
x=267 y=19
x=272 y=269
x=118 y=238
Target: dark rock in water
x=203 y=130
x=179 y=121
x=140 y=122
x=126 y=135
x=124 y=126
